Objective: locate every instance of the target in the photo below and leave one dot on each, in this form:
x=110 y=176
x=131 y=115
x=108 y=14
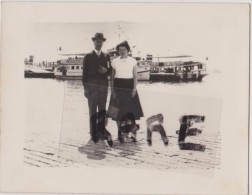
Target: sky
x=195 y=32
x=148 y=38
x=144 y=38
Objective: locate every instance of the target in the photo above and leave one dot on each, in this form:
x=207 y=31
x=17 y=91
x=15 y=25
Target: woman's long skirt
x=123 y=101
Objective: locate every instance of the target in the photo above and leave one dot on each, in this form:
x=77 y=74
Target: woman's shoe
x=121 y=139
x=133 y=139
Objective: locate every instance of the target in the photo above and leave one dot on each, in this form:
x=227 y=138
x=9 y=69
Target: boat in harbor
x=175 y=69
x=143 y=70
x=32 y=70
x=35 y=72
x=178 y=70
x=72 y=68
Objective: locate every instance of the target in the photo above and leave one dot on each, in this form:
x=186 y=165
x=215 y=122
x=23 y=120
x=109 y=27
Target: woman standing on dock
x=124 y=102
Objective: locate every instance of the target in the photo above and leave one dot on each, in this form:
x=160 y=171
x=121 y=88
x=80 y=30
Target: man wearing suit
x=96 y=69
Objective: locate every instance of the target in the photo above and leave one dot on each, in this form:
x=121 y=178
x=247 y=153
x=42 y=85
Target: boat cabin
x=174 y=67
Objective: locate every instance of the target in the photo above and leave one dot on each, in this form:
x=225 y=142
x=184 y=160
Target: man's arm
x=106 y=70
x=85 y=73
x=112 y=79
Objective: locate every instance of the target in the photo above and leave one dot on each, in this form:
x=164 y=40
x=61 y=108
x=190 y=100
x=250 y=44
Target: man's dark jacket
x=90 y=73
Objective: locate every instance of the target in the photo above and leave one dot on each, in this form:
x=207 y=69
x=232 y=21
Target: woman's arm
x=135 y=80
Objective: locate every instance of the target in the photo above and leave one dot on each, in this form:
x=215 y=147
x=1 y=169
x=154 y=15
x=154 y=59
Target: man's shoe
x=110 y=143
x=108 y=137
x=95 y=140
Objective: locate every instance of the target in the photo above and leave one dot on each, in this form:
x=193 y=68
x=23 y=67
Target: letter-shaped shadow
x=192 y=146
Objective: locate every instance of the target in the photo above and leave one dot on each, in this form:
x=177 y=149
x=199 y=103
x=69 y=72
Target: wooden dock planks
x=70 y=145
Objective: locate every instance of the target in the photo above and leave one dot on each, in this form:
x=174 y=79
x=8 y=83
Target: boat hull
x=28 y=74
x=68 y=77
x=142 y=75
x=175 y=77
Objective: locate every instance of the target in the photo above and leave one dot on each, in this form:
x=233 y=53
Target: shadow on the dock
x=100 y=150
x=128 y=148
x=94 y=151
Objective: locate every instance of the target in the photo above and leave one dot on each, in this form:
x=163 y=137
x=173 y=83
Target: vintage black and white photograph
x=97 y=81
x=132 y=87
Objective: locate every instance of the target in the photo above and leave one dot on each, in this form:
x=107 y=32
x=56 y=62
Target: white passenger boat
x=72 y=68
x=178 y=70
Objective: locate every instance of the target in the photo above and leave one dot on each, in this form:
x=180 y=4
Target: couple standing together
x=97 y=68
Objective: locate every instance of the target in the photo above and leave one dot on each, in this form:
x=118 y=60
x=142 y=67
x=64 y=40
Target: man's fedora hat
x=99 y=36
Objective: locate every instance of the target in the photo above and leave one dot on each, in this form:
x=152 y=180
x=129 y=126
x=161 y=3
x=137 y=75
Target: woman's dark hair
x=123 y=44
